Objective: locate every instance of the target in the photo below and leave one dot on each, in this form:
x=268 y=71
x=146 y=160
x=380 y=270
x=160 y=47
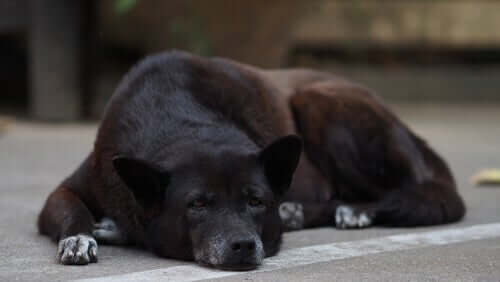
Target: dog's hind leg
x=382 y=171
x=429 y=203
x=432 y=202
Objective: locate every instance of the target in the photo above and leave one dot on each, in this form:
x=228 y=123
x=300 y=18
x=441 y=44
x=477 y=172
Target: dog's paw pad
x=292 y=215
x=108 y=232
x=346 y=217
x=79 y=249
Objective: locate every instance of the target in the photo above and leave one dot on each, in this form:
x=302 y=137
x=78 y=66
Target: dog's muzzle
x=238 y=252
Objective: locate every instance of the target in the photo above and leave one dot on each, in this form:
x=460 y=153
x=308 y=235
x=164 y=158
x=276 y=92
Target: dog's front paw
x=79 y=249
x=292 y=215
x=346 y=217
x=107 y=232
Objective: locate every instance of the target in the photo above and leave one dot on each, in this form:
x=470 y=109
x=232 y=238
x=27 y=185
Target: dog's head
x=221 y=210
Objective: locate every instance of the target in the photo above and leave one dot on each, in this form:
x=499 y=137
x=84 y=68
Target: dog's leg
x=369 y=156
x=67 y=220
x=429 y=203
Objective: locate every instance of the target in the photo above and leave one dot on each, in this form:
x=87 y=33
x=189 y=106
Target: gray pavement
x=35 y=157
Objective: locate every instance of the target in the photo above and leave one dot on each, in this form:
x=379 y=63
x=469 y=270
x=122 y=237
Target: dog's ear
x=147 y=183
x=280 y=160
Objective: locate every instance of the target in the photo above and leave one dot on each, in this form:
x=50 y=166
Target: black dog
x=201 y=159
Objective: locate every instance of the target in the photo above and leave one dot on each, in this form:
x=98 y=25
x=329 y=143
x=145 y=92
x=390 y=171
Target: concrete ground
x=35 y=157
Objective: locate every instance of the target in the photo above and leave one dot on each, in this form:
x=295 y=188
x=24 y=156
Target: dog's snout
x=242 y=253
x=243 y=245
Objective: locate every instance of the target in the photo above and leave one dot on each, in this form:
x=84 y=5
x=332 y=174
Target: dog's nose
x=242 y=253
x=243 y=246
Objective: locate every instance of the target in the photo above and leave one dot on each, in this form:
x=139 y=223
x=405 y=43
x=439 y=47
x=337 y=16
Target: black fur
x=194 y=156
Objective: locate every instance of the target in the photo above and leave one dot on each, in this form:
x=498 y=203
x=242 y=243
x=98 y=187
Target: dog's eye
x=255 y=202
x=198 y=204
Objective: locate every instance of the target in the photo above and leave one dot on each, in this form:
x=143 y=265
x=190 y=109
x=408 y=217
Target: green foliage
x=185 y=32
x=123 y=6
x=190 y=34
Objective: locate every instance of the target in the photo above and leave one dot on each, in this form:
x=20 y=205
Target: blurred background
x=61 y=60
x=436 y=62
